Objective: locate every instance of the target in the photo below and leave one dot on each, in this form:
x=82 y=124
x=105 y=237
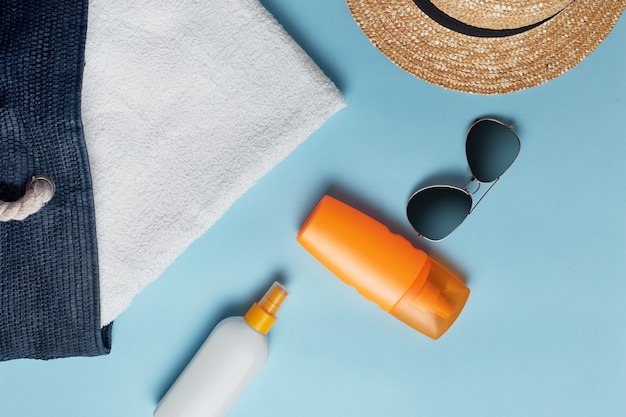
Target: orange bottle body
x=383 y=267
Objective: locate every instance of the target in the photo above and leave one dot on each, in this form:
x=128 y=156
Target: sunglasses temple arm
x=484 y=194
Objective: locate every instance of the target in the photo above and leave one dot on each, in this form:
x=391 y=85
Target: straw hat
x=486 y=46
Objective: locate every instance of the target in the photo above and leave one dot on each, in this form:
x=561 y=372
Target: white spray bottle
x=225 y=364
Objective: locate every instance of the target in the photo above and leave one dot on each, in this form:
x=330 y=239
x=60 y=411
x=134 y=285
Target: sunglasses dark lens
x=491 y=148
x=436 y=211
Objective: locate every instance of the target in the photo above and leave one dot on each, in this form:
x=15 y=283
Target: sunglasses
x=491 y=147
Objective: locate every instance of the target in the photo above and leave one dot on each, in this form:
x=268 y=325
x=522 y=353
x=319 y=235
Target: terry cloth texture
x=186 y=105
x=49 y=293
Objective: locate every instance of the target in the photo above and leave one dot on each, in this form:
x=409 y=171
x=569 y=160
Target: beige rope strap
x=39 y=191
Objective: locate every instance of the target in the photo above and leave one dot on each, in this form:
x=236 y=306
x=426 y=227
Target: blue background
x=543 y=332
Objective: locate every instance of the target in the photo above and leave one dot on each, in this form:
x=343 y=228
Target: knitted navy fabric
x=49 y=292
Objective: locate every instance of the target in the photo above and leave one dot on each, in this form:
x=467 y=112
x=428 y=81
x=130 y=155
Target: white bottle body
x=218 y=374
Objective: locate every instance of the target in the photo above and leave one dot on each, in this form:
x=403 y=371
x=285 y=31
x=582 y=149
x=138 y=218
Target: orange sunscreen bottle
x=383 y=267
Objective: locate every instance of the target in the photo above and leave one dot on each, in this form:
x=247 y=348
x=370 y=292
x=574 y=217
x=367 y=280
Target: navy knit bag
x=49 y=291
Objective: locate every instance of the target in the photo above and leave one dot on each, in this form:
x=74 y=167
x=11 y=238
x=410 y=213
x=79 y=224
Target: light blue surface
x=544 y=330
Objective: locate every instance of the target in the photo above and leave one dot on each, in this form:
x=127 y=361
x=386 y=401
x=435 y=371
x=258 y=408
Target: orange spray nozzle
x=430 y=299
x=273 y=298
x=262 y=315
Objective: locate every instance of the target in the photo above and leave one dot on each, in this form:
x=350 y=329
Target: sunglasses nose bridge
x=472 y=186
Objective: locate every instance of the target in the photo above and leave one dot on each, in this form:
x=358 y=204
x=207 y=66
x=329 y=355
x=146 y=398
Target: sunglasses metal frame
x=473 y=179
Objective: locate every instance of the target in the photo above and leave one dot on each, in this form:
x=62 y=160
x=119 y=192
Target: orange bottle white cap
x=383 y=267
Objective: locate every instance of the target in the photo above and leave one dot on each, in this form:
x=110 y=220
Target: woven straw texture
x=485 y=65
x=49 y=293
x=498 y=14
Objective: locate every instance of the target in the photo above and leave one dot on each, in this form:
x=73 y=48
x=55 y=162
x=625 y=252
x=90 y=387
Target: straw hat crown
x=501 y=14
x=486 y=46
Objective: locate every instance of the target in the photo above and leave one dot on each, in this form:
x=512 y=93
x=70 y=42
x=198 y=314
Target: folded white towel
x=186 y=104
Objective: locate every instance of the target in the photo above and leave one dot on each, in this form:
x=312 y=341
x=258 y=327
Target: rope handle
x=39 y=191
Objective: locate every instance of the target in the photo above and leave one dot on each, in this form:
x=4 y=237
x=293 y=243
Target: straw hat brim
x=485 y=65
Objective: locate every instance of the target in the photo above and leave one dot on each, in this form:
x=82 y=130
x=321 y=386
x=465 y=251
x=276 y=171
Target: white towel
x=186 y=104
